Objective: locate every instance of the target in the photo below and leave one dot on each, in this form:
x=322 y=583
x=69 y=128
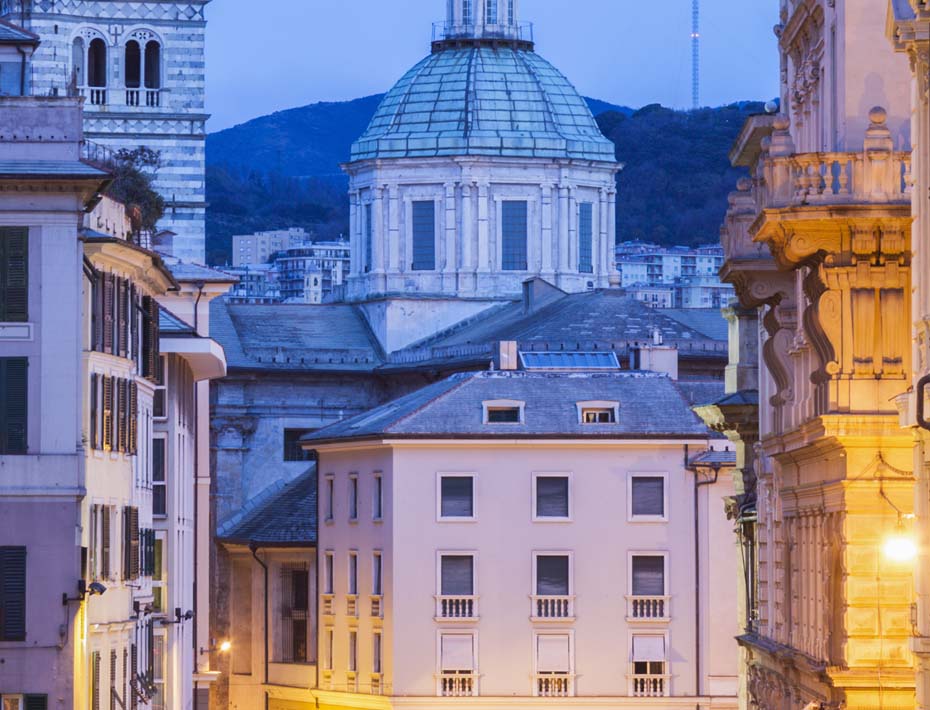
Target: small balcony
x=640 y=608
x=352 y=605
x=149 y=98
x=456 y=607
x=554 y=685
x=457 y=684
x=552 y=608
x=649 y=686
x=94 y=95
x=376 y=605
x=327 y=604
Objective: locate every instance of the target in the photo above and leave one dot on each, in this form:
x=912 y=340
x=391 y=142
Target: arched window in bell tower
x=97 y=63
x=152 y=65
x=143 y=69
x=78 y=70
x=133 y=65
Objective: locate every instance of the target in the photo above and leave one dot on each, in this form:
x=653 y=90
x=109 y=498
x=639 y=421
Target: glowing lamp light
x=900 y=548
x=225 y=646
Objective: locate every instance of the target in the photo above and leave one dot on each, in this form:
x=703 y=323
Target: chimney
x=508 y=355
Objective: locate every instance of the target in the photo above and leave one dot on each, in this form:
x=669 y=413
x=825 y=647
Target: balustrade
x=553 y=607
x=451 y=607
x=554 y=685
x=649 y=686
x=648 y=608
x=455 y=684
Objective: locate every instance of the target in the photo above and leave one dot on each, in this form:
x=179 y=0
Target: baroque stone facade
x=140 y=68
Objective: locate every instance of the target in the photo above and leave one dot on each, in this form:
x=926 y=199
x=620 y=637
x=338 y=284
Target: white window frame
x=646 y=553
x=553 y=474
x=17 y=696
x=598 y=404
x=629 y=497
x=377 y=642
x=667 y=675
x=163 y=364
x=476 y=661
x=457 y=553
x=571 y=657
x=490 y=404
x=353 y=554
x=352 y=658
x=474 y=497
x=377 y=497
x=377 y=564
x=329 y=648
x=352 y=497
x=329 y=572
x=329 y=498
x=556 y=553
x=164 y=483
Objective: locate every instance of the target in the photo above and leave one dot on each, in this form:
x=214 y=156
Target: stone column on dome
x=378 y=239
x=395 y=263
x=563 y=230
x=354 y=233
x=484 y=205
x=611 y=230
x=467 y=236
x=573 y=229
x=449 y=255
x=546 y=222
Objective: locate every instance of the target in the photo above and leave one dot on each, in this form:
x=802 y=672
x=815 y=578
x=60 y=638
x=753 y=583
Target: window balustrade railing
x=648 y=608
x=649 y=686
x=376 y=605
x=457 y=684
x=352 y=604
x=554 y=685
x=94 y=95
x=327 y=604
x=149 y=98
x=451 y=607
x=552 y=607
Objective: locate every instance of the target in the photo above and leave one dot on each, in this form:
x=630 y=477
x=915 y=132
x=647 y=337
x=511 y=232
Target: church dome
x=502 y=101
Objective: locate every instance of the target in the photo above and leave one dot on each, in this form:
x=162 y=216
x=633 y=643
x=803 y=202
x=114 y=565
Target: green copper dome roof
x=493 y=101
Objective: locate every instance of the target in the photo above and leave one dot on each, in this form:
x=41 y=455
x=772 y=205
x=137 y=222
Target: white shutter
x=552 y=653
x=648 y=648
x=458 y=652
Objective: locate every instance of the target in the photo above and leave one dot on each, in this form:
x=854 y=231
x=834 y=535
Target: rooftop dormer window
x=598 y=412
x=503 y=411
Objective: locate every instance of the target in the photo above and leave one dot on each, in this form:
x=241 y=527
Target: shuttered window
x=105 y=542
x=648 y=576
x=121 y=428
x=133 y=418
x=150 y=338
x=95 y=680
x=109 y=304
x=513 y=235
x=113 y=705
x=457 y=497
x=12 y=593
x=94 y=412
x=107 y=413
x=133 y=669
x=552 y=575
x=424 y=235
x=585 y=237
x=14 y=274
x=457 y=575
x=552 y=497
x=14 y=383
x=159 y=482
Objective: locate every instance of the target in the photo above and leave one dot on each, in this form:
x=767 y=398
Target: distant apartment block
x=673 y=277
x=258 y=248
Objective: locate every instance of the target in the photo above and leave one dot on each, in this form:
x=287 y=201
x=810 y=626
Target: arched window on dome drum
x=467 y=12
x=510 y=12
x=513 y=235
x=152 y=65
x=133 y=69
x=491 y=17
x=97 y=63
x=78 y=65
x=424 y=235
x=585 y=237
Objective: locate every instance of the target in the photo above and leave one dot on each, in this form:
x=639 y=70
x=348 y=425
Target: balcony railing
x=135 y=97
x=150 y=98
x=552 y=608
x=376 y=605
x=94 y=95
x=521 y=31
x=327 y=604
x=457 y=684
x=554 y=685
x=352 y=604
x=648 y=608
x=456 y=607
x=649 y=686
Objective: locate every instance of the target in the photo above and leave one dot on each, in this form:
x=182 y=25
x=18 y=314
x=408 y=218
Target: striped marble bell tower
x=140 y=68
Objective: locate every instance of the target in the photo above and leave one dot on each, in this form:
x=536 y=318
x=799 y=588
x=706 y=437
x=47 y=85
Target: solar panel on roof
x=569 y=360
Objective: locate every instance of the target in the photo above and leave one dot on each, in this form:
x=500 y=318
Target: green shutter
x=14 y=274
x=14 y=384
x=12 y=593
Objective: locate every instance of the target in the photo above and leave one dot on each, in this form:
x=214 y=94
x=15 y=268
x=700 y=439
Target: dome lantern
x=482 y=23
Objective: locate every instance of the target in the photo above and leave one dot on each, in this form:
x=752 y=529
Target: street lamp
x=900 y=547
x=224 y=647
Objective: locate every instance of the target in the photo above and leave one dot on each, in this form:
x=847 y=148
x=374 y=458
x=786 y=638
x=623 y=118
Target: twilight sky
x=276 y=54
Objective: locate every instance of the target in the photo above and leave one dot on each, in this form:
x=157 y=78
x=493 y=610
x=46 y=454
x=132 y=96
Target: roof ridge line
x=467 y=377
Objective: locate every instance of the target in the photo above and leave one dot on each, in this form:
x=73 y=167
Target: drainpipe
x=22 y=70
x=697 y=574
x=253 y=548
x=197 y=444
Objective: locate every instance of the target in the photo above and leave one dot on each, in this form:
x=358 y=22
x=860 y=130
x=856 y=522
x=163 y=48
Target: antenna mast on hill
x=695 y=54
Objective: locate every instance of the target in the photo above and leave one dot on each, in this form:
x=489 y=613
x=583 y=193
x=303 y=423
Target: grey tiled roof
x=286 y=515
x=50 y=168
x=701 y=392
x=188 y=271
x=714 y=458
x=483 y=101
x=13 y=34
x=170 y=324
x=707 y=321
x=650 y=405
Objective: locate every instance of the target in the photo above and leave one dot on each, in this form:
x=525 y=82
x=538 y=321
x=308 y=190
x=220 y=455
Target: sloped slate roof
x=287 y=516
x=50 y=168
x=188 y=271
x=482 y=101
x=650 y=406
x=13 y=34
x=714 y=458
x=707 y=321
x=170 y=324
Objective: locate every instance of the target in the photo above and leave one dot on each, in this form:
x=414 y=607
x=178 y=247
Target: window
x=647 y=497
x=377 y=497
x=585 y=237
x=328 y=573
x=456 y=497
x=158 y=672
x=647 y=587
x=328 y=638
x=95 y=680
x=159 y=477
x=376 y=652
x=513 y=235
x=133 y=65
x=649 y=667
x=550 y=497
x=491 y=12
x=353 y=651
x=457 y=665
x=376 y=569
x=598 y=416
x=353 y=496
x=554 y=666
x=369 y=237
x=503 y=411
x=424 y=235
x=552 y=575
x=12 y=593
x=14 y=396
x=467 y=14
x=510 y=12
x=295 y=614
x=152 y=65
x=353 y=573
x=14 y=274
x=159 y=602
x=97 y=63
x=293 y=451
x=241 y=611
x=160 y=403
x=23 y=702
x=456 y=598
x=329 y=496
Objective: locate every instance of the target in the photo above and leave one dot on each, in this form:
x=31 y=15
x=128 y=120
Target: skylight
x=606 y=360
